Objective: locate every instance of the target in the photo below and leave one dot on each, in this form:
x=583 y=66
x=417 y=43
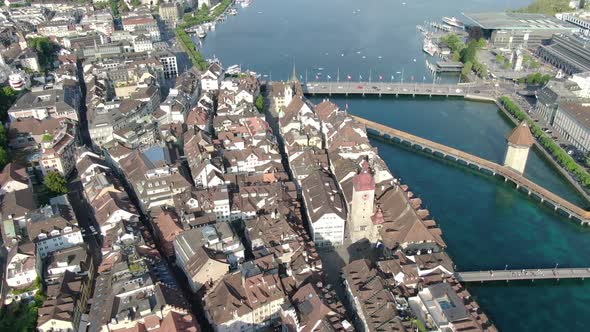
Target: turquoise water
x=485 y=222
x=474 y=127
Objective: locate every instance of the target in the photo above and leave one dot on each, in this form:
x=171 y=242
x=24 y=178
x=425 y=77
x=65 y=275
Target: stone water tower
x=520 y=141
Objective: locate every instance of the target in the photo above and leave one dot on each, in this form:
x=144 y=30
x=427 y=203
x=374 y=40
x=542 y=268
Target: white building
x=53 y=227
x=168 y=60
x=325 y=209
x=572 y=121
x=20 y=268
x=211 y=79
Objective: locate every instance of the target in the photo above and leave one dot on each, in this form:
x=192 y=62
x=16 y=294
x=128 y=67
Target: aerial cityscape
x=294 y=166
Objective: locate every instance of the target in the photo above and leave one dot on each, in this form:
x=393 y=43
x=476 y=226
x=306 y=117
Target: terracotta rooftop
x=521 y=135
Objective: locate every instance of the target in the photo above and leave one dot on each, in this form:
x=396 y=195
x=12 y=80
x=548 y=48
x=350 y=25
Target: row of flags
x=349 y=77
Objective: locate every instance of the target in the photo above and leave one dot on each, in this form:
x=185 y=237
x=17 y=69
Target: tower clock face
x=365 y=197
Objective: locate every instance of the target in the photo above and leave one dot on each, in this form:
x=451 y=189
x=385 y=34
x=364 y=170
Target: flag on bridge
x=392 y=78
x=360 y=77
x=349 y=77
x=412 y=77
x=329 y=77
x=346 y=106
x=317 y=77
x=381 y=77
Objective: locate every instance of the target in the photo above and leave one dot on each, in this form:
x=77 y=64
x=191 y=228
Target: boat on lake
x=429 y=47
x=201 y=33
x=454 y=22
x=234 y=70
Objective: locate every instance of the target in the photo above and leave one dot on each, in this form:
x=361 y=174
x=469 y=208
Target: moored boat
x=454 y=22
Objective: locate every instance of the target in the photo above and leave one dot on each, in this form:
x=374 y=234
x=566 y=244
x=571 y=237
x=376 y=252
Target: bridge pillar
x=529 y=192
x=517 y=186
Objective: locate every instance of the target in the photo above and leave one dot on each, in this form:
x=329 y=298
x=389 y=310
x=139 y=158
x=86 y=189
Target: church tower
x=520 y=141
x=361 y=210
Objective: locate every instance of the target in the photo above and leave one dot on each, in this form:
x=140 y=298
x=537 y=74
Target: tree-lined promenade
x=200 y=16
x=558 y=154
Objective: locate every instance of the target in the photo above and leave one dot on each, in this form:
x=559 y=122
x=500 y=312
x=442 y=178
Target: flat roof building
x=511 y=30
x=570 y=54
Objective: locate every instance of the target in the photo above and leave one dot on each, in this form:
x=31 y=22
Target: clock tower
x=361 y=209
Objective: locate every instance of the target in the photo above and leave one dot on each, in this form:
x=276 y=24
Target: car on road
x=374 y=88
x=341 y=87
x=388 y=88
x=458 y=90
x=360 y=87
x=476 y=91
x=570 y=152
x=405 y=89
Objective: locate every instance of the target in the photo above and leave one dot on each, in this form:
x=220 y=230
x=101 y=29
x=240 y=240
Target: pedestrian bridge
x=529 y=274
x=534 y=190
x=396 y=89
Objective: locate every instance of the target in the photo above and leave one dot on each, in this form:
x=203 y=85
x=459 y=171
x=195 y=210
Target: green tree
x=3 y=137
x=480 y=43
x=55 y=183
x=4 y=157
x=7 y=98
x=549 y=7
x=469 y=53
x=480 y=69
x=454 y=42
x=136 y=3
x=260 y=103
x=45 y=50
x=467 y=67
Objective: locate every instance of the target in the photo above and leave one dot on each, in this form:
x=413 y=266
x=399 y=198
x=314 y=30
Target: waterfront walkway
x=392 y=88
x=522 y=183
x=507 y=275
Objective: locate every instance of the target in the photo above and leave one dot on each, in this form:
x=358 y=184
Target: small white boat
x=233 y=12
x=429 y=47
x=201 y=33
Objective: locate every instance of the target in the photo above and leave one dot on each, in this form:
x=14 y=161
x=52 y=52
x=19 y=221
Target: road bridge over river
x=396 y=89
x=529 y=274
x=558 y=203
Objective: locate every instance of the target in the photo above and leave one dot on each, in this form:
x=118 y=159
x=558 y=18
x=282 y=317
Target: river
x=485 y=222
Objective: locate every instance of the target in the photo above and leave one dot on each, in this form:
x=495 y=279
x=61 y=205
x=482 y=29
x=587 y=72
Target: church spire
x=294 y=74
